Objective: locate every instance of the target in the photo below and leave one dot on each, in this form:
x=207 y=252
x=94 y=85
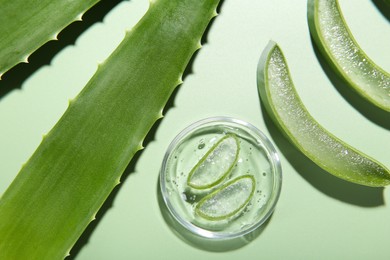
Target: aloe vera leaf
x=284 y=106
x=27 y=25
x=79 y=162
x=227 y=200
x=336 y=42
x=216 y=164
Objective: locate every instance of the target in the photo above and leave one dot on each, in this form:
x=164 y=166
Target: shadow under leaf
x=383 y=7
x=15 y=77
x=364 y=107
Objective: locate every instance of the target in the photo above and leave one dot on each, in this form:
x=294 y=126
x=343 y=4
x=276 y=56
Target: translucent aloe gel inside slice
x=228 y=200
x=349 y=57
x=310 y=137
x=215 y=164
x=301 y=126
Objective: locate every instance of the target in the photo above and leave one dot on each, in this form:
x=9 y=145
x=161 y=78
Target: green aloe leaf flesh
x=79 y=162
x=331 y=34
x=284 y=106
x=227 y=200
x=27 y=25
x=216 y=164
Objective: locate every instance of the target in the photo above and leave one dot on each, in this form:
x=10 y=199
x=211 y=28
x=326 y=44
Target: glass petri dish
x=227 y=207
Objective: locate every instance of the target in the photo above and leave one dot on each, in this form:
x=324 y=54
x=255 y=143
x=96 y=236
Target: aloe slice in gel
x=227 y=200
x=215 y=164
x=283 y=104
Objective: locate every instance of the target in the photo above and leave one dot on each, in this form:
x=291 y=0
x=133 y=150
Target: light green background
x=317 y=217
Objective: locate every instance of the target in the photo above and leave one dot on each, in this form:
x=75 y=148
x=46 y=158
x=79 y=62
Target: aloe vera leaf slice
x=336 y=42
x=79 y=162
x=216 y=164
x=283 y=104
x=227 y=200
x=26 y=25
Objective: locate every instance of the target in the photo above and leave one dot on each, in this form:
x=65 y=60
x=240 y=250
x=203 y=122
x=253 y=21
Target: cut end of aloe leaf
x=214 y=166
x=336 y=42
x=228 y=200
x=286 y=109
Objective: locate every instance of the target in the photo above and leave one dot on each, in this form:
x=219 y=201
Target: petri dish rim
x=274 y=161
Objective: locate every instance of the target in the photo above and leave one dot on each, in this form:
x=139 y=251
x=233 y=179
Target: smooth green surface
x=327 y=218
x=79 y=162
x=281 y=100
x=27 y=25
